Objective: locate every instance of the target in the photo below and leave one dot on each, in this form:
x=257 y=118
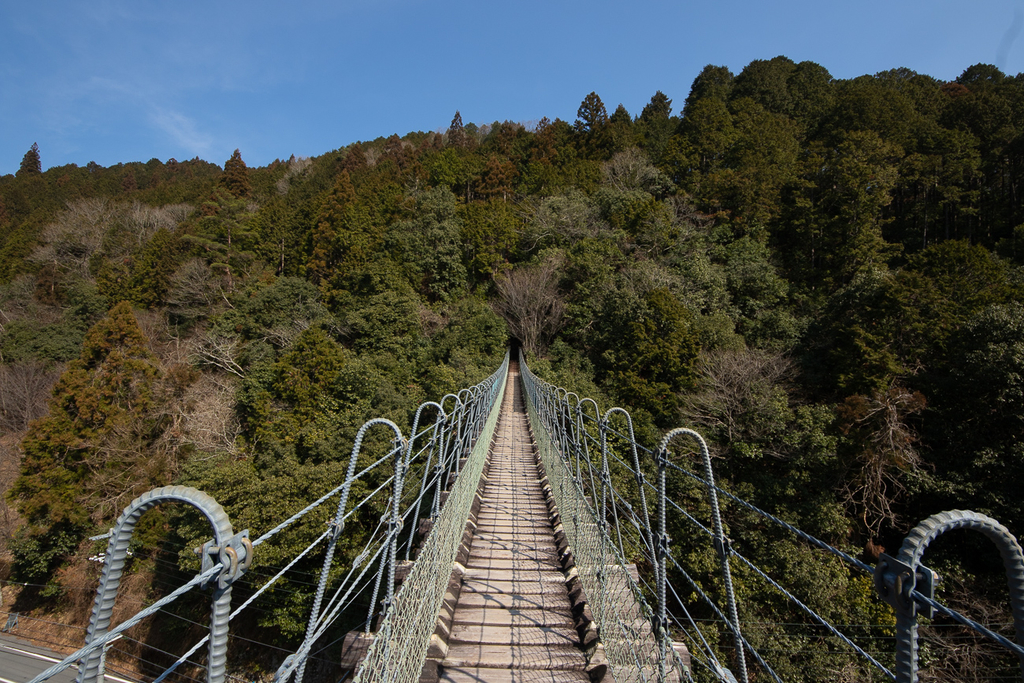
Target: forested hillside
x=825 y=277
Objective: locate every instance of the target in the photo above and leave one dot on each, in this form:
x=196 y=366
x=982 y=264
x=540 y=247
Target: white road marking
x=36 y=655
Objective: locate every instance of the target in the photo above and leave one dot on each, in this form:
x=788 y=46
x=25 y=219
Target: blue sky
x=114 y=81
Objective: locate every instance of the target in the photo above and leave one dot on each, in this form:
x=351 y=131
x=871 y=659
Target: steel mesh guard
x=622 y=615
x=399 y=648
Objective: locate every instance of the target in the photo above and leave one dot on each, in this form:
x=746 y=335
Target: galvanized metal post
x=338 y=525
x=721 y=542
x=232 y=551
x=898 y=579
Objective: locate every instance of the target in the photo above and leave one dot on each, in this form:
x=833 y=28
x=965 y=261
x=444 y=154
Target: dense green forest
x=825 y=277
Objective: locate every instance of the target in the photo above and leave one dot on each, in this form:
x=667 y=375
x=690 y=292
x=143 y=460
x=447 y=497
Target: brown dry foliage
x=952 y=652
x=24 y=391
x=529 y=301
x=10 y=520
x=887 y=451
x=732 y=382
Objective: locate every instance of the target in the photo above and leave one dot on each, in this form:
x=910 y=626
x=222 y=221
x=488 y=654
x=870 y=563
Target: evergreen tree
x=88 y=457
x=762 y=161
x=152 y=269
x=708 y=133
x=489 y=235
x=592 y=126
x=496 y=180
x=396 y=152
x=235 y=178
x=429 y=245
x=129 y=183
x=591 y=117
x=864 y=173
x=355 y=160
x=713 y=82
x=766 y=82
x=345 y=239
x=981 y=74
x=621 y=133
x=30 y=163
x=812 y=90
x=656 y=125
x=325 y=258
x=224 y=235
x=650 y=354
x=456 y=133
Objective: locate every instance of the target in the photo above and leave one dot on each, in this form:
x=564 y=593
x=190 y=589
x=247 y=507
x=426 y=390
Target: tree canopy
x=825 y=275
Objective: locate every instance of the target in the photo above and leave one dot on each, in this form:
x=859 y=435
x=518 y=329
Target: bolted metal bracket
x=234 y=556
x=395 y=526
x=895 y=581
x=723 y=547
x=725 y=674
x=662 y=541
x=660 y=626
x=661 y=458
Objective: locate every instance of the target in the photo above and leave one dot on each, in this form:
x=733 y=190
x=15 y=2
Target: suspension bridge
x=520 y=534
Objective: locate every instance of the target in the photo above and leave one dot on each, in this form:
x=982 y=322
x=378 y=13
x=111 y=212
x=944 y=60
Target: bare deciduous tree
x=74 y=236
x=529 y=301
x=90 y=226
x=210 y=348
x=16 y=300
x=630 y=169
x=733 y=384
x=572 y=217
x=886 y=451
x=132 y=225
x=24 y=390
x=154 y=328
x=194 y=290
x=207 y=414
x=296 y=165
x=10 y=467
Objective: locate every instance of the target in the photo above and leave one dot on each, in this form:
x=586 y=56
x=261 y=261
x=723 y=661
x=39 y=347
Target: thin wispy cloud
x=183 y=131
x=147 y=100
x=115 y=80
x=1009 y=38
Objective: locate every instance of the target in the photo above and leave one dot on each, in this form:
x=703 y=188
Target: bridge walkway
x=513 y=618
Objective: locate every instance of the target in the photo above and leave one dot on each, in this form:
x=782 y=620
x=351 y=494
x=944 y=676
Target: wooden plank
x=513 y=621
x=517 y=587
x=513 y=634
x=472 y=600
x=536 y=573
x=514 y=510
x=537 y=536
x=542 y=555
x=532 y=525
x=480 y=562
x=515 y=657
x=505 y=617
x=484 y=675
x=536 y=549
x=517 y=520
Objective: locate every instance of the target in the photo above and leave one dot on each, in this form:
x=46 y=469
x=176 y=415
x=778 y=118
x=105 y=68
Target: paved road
x=20 y=662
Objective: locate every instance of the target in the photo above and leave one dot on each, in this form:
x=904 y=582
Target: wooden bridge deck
x=513 y=620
